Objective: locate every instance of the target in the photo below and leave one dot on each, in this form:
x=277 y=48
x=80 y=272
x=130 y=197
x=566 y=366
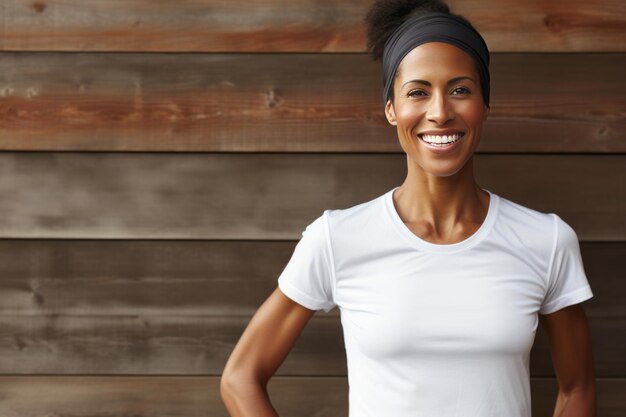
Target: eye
x=411 y=93
x=464 y=90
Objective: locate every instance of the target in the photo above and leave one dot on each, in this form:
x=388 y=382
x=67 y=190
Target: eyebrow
x=426 y=83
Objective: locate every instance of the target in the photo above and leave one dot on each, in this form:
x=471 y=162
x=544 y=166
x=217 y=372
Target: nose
x=439 y=109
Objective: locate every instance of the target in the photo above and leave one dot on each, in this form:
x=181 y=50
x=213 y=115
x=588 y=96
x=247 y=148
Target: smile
x=442 y=141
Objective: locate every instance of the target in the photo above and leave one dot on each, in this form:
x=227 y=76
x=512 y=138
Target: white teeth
x=441 y=139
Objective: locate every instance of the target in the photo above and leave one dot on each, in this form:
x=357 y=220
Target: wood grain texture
x=299 y=26
x=270 y=196
x=545 y=103
x=151 y=307
x=96 y=323
x=129 y=278
x=84 y=396
x=183 y=344
x=151 y=344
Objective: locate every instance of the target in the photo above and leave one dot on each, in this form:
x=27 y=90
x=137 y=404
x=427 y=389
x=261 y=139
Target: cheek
x=409 y=114
x=472 y=113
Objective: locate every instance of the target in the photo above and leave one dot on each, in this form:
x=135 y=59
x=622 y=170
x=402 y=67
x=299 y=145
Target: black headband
x=435 y=27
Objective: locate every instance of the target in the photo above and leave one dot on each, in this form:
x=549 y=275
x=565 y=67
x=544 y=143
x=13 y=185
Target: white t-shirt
x=437 y=329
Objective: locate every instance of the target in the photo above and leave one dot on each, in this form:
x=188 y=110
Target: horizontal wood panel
x=172 y=344
x=132 y=278
x=76 y=277
x=546 y=103
x=304 y=25
x=70 y=307
x=199 y=345
x=199 y=397
x=271 y=196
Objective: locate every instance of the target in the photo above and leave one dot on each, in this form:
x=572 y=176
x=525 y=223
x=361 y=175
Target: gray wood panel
x=84 y=396
x=126 y=278
x=547 y=103
x=177 y=344
x=270 y=196
x=305 y=25
x=112 y=277
x=170 y=343
x=125 y=307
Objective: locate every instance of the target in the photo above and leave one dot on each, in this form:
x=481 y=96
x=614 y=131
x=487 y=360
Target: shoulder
x=355 y=218
x=345 y=222
x=519 y=215
x=550 y=224
x=564 y=232
x=527 y=227
x=565 y=238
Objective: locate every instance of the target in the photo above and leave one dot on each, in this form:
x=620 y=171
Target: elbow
x=229 y=395
x=239 y=373
x=242 y=393
x=232 y=382
x=229 y=390
x=583 y=387
x=581 y=398
x=226 y=385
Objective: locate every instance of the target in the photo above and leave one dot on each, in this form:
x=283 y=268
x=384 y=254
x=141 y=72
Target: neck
x=442 y=202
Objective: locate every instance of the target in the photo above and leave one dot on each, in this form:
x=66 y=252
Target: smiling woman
x=439 y=281
x=438 y=109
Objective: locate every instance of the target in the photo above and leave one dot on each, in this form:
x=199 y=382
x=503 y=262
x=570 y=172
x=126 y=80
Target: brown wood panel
x=170 y=343
x=177 y=344
x=547 y=103
x=128 y=278
x=111 y=277
x=109 y=307
x=270 y=196
x=84 y=396
x=304 y=25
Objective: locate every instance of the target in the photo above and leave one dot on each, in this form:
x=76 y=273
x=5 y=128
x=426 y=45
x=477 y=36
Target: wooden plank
x=93 y=396
x=175 y=271
x=270 y=196
x=304 y=25
x=69 y=307
x=132 y=278
x=77 y=277
x=171 y=344
x=179 y=344
x=541 y=103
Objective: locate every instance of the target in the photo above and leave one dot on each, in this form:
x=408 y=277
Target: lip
x=441 y=149
x=446 y=132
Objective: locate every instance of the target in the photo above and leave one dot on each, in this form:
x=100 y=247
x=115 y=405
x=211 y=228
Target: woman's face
x=429 y=97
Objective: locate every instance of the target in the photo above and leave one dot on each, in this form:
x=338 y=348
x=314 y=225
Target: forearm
x=246 y=399
x=578 y=403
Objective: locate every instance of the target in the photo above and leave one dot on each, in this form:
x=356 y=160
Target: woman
x=440 y=283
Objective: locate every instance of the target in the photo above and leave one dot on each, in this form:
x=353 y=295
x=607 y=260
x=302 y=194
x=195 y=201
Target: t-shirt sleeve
x=308 y=278
x=567 y=281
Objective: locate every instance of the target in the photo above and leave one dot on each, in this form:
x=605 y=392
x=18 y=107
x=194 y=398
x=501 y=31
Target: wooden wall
x=159 y=161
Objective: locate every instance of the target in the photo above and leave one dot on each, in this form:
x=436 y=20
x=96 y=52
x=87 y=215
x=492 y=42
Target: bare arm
x=260 y=351
x=570 y=346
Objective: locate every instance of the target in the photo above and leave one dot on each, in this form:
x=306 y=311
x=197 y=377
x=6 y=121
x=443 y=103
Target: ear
x=390 y=113
x=487 y=109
